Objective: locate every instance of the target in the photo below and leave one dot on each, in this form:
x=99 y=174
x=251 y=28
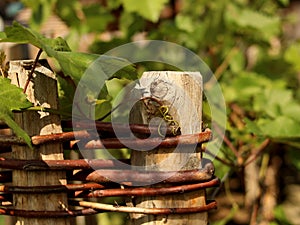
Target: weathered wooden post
x=41 y=91
x=181 y=94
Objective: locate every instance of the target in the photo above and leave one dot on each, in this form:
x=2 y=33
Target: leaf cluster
x=73 y=64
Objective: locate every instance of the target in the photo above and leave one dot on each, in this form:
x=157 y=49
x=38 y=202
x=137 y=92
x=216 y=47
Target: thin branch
x=222 y=67
x=254 y=213
x=46 y=109
x=150 y=143
x=49 y=188
x=47 y=214
x=148 y=191
x=110 y=112
x=88 y=164
x=99 y=190
x=154 y=211
x=257 y=151
x=111 y=143
x=68 y=79
x=134 y=177
x=123 y=129
x=60 y=137
x=227 y=142
x=219 y=159
x=30 y=75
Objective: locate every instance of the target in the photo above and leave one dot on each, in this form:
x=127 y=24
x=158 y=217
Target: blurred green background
x=253 y=48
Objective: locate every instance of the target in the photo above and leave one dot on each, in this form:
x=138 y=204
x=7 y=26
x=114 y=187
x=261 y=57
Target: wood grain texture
x=42 y=91
x=181 y=92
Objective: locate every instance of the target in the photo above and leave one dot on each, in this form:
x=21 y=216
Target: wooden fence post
x=181 y=92
x=42 y=91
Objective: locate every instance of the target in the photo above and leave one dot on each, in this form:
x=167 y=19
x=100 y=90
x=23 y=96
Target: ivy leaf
x=148 y=9
x=73 y=64
x=22 y=35
x=76 y=64
x=12 y=98
x=282 y=129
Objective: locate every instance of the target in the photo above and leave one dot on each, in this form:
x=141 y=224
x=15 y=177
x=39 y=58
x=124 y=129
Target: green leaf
x=20 y=34
x=246 y=18
x=41 y=11
x=292 y=55
x=149 y=9
x=97 y=17
x=68 y=12
x=253 y=127
x=280 y=216
x=284 y=2
x=12 y=98
x=184 y=23
x=2 y=35
x=76 y=64
x=73 y=64
x=294 y=157
x=291 y=110
x=97 y=68
x=237 y=62
x=282 y=129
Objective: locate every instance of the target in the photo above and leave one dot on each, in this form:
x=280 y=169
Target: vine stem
x=130 y=177
x=218 y=158
x=149 y=191
x=32 y=69
x=222 y=67
x=98 y=190
x=227 y=142
x=154 y=211
x=258 y=151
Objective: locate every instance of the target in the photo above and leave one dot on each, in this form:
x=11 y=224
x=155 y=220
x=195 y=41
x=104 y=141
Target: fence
x=40 y=186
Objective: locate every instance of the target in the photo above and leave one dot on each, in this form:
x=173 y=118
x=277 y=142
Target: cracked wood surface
x=181 y=92
x=42 y=91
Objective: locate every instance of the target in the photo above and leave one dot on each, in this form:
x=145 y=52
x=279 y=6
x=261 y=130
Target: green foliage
x=41 y=10
x=12 y=98
x=241 y=41
x=20 y=34
x=147 y=9
x=245 y=20
x=74 y=64
x=280 y=217
x=292 y=56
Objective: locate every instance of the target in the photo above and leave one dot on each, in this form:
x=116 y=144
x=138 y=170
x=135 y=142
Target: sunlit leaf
x=73 y=64
x=149 y=9
x=41 y=11
x=184 y=23
x=292 y=55
x=246 y=18
x=281 y=127
x=12 y=98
